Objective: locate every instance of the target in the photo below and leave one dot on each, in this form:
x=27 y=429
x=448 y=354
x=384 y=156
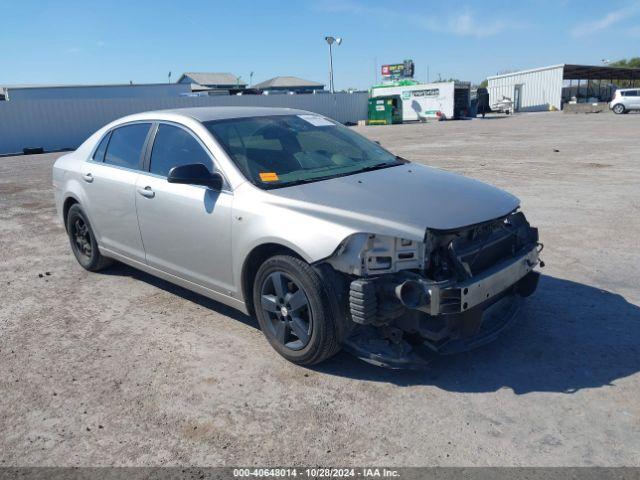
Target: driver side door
x=186 y=229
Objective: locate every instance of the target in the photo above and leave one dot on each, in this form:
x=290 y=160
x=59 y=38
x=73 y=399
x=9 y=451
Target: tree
x=633 y=62
x=484 y=83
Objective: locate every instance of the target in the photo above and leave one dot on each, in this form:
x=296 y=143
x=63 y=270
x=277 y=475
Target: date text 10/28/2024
x=318 y=472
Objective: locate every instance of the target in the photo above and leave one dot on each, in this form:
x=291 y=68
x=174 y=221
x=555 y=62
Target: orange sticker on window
x=269 y=176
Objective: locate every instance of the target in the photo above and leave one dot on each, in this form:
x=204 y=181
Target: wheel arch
x=66 y=205
x=256 y=257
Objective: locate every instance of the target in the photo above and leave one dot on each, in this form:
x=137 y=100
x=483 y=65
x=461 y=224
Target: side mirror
x=195 y=174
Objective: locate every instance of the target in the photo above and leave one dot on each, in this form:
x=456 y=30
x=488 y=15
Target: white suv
x=625 y=99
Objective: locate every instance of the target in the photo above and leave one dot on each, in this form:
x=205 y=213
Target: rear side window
x=125 y=147
x=98 y=156
x=630 y=93
x=173 y=147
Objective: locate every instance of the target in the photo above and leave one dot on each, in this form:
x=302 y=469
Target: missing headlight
x=365 y=254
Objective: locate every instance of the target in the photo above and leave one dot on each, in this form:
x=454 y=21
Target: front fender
x=257 y=223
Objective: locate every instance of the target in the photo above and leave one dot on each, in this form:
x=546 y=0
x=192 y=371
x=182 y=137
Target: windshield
x=284 y=150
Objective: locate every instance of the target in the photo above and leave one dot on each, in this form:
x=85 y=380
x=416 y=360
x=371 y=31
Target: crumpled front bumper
x=460 y=297
x=444 y=318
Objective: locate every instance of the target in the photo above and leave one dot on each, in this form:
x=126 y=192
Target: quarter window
x=174 y=146
x=125 y=147
x=98 y=156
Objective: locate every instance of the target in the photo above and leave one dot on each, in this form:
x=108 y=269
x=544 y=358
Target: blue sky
x=117 y=41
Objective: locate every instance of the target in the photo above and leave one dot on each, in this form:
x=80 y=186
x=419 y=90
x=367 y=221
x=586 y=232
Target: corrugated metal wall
x=59 y=124
x=155 y=90
x=540 y=89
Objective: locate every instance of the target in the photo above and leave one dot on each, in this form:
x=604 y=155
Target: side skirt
x=194 y=287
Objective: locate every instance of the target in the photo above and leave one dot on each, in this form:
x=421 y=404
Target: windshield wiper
x=377 y=166
x=368 y=168
x=305 y=180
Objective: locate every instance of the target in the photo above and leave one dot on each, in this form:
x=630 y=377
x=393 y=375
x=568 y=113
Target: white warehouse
x=530 y=90
x=551 y=87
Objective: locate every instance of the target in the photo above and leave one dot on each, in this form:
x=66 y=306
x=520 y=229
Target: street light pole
x=330 y=41
x=331 y=69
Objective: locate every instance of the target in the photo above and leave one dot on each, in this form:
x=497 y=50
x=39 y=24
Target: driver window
x=174 y=146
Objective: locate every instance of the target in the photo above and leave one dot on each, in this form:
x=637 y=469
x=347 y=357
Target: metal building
x=530 y=90
x=288 y=85
x=554 y=86
x=215 y=83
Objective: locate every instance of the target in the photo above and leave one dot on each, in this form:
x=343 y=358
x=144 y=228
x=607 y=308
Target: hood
x=408 y=197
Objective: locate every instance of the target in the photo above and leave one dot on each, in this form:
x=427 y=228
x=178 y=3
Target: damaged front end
x=452 y=292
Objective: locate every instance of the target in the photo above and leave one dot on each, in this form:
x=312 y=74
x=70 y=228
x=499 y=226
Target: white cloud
x=466 y=24
x=604 y=23
x=461 y=24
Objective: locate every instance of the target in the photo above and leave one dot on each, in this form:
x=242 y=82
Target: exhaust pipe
x=412 y=294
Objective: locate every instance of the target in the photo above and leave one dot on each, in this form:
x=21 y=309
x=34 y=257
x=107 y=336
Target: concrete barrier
x=586 y=107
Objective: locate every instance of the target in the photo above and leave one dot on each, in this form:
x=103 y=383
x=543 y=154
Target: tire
x=294 y=310
x=618 y=108
x=83 y=241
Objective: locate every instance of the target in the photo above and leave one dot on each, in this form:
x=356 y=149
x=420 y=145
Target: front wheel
x=294 y=310
x=618 y=108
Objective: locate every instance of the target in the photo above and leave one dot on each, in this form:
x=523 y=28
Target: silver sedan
x=327 y=238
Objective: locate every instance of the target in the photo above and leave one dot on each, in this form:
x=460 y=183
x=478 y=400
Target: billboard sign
x=398 y=70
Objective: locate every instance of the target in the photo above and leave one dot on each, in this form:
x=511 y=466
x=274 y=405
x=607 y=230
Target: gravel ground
x=120 y=368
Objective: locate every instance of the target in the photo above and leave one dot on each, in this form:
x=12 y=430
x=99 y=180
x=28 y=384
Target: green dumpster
x=385 y=110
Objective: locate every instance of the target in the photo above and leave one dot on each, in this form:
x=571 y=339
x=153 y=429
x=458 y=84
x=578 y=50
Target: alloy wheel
x=287 y=309
x=82 y=237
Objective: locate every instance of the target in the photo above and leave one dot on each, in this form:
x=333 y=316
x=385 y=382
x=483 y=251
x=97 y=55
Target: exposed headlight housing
x=366 y=254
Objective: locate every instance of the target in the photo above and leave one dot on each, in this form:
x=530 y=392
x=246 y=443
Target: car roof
x=205 y=114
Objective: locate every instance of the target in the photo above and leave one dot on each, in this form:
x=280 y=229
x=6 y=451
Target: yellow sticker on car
x=269 y=176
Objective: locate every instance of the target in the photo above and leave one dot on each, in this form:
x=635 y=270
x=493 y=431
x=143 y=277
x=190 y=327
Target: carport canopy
x=588 y=72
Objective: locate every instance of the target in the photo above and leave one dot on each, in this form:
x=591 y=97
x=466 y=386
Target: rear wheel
x=294 y=310
x=83 y=241
x=618 y=108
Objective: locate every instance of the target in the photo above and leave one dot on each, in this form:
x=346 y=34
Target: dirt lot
x=119 y=368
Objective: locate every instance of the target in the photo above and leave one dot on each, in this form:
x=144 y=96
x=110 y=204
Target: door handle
x=147 y=192
x=87 y=177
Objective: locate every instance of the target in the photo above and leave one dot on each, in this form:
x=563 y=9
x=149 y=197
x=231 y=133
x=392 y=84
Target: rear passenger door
x=110 y=182
x=186 y=229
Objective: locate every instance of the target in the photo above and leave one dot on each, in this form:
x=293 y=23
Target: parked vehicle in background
x=328 y=238
x=504 y=105
x=625 y=100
